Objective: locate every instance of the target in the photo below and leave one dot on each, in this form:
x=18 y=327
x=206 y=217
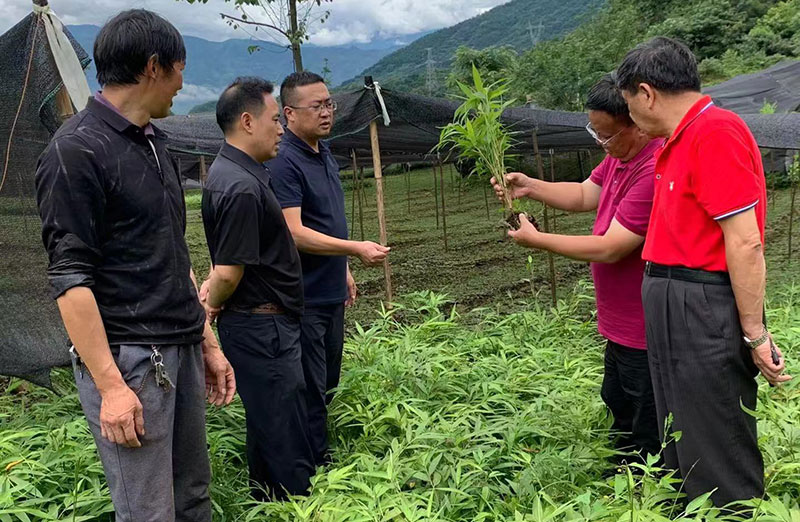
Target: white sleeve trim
x=737 y=211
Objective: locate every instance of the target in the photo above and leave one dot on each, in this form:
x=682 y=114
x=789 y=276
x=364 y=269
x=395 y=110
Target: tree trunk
x=296 y=54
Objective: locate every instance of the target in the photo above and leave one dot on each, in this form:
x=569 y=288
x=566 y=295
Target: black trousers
x=702 y=373
x=628 y=392
x=264 y=351
x=322 y=341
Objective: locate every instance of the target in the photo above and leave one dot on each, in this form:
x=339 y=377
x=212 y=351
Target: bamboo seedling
x=478 y=134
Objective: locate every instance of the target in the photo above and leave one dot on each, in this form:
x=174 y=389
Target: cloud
x=192 y=93
x=351 y=21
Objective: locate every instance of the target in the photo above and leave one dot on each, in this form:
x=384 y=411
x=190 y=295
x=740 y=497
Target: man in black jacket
x=113 y=223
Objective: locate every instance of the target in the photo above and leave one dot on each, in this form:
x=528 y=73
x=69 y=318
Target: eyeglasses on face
x=317 y=107
x=601 y=142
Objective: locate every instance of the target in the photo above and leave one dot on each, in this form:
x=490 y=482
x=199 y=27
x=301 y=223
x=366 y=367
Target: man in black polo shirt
x=306 y=180
x=113 y=221
x=257 y=276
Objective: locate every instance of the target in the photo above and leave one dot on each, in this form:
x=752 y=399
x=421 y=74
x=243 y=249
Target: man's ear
x=153 y=68
x=648 y=93
x=286 y=112
x=246 y=119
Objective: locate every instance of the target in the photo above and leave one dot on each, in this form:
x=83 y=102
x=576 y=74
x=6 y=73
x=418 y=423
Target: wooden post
x=408 y=186
x=203 y=171
x=444 y=213
x=354 y=162
x=553 y=180
x=64 y=103
x=580 y=166
x=376 y=162
x=486 y=200
x=361 y=200
x=436 y=195
x=550 y=261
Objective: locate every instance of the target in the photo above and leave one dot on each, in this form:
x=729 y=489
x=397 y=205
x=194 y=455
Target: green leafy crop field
x=478 y=405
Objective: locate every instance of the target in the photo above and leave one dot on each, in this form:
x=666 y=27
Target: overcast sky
x=351 y=21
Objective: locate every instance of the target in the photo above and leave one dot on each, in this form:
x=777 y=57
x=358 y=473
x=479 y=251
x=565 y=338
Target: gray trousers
x=702 y=374
x=167 y=478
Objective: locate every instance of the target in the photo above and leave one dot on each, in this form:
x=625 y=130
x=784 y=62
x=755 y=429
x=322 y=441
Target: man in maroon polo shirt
x=621 y=190
x=704 y=286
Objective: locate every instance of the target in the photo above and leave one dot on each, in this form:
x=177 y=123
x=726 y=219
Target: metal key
x=162 y=377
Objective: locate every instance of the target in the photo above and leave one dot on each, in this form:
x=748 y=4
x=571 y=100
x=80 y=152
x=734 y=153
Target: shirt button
x=658 y=176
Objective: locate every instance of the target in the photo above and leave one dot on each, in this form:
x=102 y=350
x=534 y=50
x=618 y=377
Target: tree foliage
x=493 y=64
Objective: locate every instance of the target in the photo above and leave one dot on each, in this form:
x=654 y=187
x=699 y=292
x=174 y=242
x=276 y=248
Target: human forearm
x=747 y=269
x=85 y=328
x=563 y=196
x=222 y=283
x=581 y=248
x=312 y=242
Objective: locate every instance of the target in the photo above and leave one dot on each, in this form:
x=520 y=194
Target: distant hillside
x=511 y=24
x=213 y=65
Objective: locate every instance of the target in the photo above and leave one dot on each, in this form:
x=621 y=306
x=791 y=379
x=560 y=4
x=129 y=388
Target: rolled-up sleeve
x=71 y=201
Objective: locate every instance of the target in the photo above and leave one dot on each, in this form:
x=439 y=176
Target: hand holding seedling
x=526 y=235
x=519 y=186
x=370 y=253
x=769 y=360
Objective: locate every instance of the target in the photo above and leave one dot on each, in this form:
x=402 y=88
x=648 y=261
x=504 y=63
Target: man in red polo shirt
x=704 y=283
x=621 y=190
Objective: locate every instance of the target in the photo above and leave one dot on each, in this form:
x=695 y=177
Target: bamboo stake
x=436 y=195
x=486 y=200
x=354 y=162
x=361 y=200
x=64 y=103
x=540 y=170
x=376 y=162
x=408 y=187
x=580 y=166
x=444 y=213
x=553 y=180
x=791 y=218
x=203 y=171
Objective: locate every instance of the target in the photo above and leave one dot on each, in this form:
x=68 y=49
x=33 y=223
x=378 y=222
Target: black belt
x=691 y=275
x=263 y=309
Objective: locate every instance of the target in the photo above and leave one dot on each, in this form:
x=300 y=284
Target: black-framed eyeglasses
x=593 y=134
x=317 y=107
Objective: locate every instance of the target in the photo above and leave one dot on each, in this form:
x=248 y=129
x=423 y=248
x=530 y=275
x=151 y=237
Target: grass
x=481 y=405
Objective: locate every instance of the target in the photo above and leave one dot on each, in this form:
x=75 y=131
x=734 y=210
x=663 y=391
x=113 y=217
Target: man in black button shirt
x=306 y=181
x=113 y=223
x=257 y=276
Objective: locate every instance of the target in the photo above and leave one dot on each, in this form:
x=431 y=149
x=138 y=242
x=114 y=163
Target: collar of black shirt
x=244 y=160
x=292 y=138
x=117 y=121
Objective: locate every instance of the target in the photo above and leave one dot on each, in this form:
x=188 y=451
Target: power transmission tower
x=430 y=73
x=536 y=36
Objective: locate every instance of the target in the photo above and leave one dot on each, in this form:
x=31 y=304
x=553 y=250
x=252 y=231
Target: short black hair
x=126 y=42
x=604 y=96
x=295 y=80
x=664 y=63
x=245 y=94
